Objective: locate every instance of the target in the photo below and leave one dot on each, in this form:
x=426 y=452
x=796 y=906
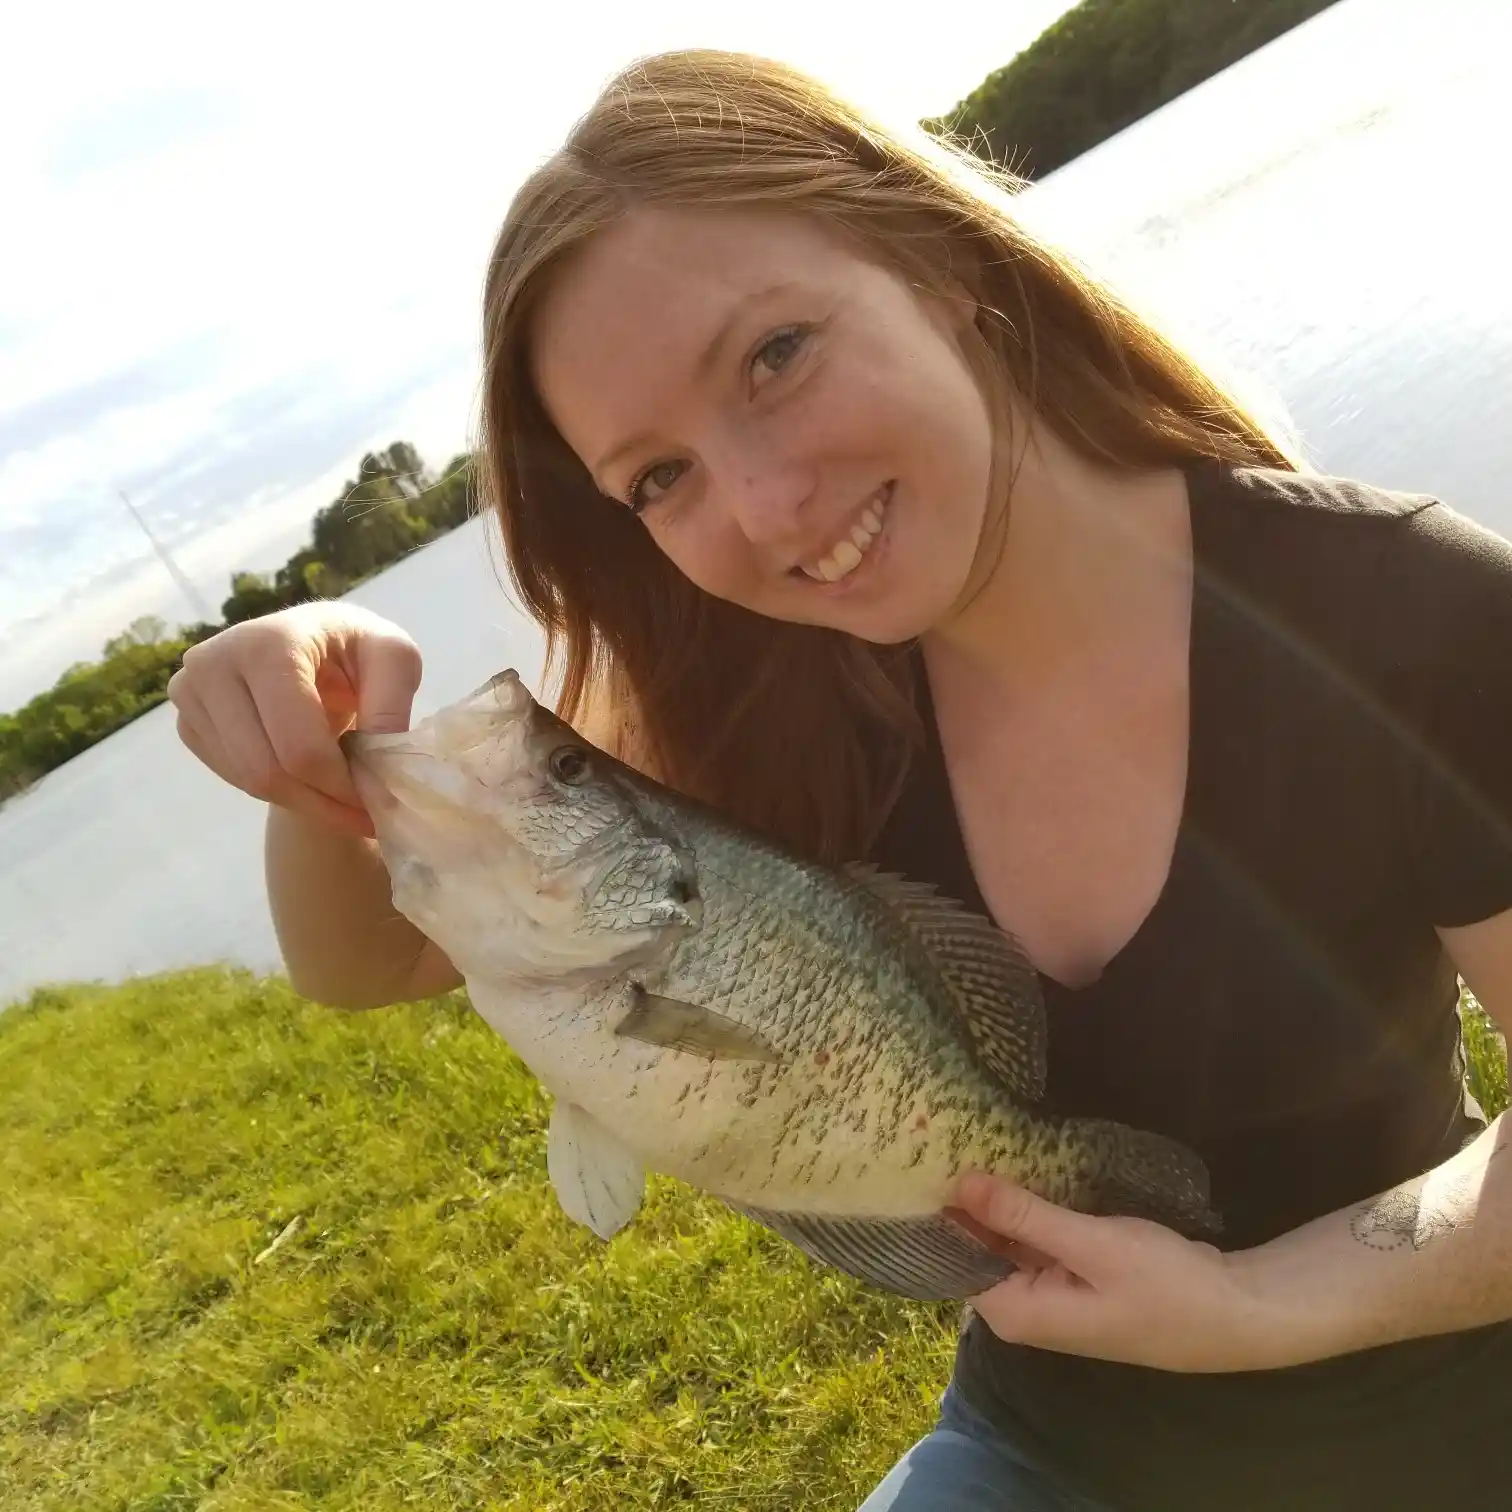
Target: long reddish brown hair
x=801 y=732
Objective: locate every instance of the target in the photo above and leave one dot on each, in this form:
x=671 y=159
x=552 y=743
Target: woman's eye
x=780 y=349
x=661 y=476
x=774 y=354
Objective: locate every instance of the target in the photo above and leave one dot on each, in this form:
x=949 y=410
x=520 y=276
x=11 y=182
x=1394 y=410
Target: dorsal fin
x=989 y=981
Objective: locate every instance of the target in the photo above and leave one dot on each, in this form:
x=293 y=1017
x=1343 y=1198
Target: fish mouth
x=391 y=788
x=457 y=728
x=359 y=745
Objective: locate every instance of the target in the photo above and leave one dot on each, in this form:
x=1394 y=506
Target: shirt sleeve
x=1458 y=615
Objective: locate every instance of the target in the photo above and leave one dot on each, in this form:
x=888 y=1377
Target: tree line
x=1104 y=65
x=392 y=507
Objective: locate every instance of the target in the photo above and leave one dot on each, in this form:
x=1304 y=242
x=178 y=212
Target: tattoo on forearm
x=1400 y=1218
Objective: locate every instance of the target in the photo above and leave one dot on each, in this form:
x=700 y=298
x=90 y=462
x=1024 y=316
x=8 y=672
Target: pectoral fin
x=598 y=1181
x=676 y=1025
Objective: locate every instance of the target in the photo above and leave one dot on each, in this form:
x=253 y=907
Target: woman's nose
x=766 y=499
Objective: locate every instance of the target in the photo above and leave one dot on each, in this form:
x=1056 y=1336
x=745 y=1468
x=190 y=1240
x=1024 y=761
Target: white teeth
x=846 y=555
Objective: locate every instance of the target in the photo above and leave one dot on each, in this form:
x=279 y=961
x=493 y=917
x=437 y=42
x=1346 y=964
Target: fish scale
x=826 y=1049
x=799 y=976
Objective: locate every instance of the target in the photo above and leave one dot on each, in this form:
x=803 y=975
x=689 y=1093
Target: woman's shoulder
x=1301 y=535
x=1396 y=596
x=1281 y=498
x=1398 y=606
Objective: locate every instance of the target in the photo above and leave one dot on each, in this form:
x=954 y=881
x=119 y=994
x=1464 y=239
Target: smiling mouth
x=850 y=550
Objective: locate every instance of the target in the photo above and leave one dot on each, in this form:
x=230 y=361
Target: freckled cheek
x=853 y=411
x=713 y=555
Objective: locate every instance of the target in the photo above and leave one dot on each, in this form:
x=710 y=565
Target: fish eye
x=569 y=764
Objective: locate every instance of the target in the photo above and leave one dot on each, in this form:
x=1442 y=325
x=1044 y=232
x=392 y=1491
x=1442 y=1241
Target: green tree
x=252 y=595
x=452 y=499
x=402 y=463
x=147 y=630
x=321 y=580
x=1104 y=65
x=392 y=506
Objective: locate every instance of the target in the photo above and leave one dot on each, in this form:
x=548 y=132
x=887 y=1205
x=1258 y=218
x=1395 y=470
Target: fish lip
x=506 y=690
x=508 y=682
x=359 y=743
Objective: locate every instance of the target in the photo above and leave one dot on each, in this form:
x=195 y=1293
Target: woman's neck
x=1087 y=552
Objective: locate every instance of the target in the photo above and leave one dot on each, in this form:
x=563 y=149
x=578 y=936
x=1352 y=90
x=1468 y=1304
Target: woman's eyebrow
x=705 y=360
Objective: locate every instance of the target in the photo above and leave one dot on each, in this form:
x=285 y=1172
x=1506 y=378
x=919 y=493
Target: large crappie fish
x=824 y=1049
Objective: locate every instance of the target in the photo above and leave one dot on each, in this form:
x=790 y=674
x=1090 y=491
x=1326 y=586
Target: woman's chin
x=894 y=623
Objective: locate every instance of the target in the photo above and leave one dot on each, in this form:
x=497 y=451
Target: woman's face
x=795 y=426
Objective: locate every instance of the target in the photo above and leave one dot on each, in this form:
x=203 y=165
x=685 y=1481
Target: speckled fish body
x=825 y=1049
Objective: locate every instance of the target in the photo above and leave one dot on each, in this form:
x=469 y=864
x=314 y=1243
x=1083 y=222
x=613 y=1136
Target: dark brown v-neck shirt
x=1286 y=1008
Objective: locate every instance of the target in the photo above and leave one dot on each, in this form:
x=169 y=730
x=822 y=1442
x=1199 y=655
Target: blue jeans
x=965 y=1465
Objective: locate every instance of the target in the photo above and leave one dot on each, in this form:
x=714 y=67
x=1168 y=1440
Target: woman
x=860 y=513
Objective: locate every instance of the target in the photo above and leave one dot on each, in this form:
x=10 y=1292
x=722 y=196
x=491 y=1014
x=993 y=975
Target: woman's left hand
x=1123 y=1289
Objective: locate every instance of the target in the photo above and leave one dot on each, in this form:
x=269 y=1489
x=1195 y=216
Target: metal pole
x=200 y=607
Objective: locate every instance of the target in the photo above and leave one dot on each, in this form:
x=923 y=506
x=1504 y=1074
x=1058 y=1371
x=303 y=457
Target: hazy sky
x=245 y=243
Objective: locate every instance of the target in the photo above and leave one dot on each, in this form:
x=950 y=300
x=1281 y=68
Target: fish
x=825 y=1049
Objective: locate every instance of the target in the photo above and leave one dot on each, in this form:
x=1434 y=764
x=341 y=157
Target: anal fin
x=928 y=1259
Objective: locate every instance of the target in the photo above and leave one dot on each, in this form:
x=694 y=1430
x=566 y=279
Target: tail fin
x=1141 y=1175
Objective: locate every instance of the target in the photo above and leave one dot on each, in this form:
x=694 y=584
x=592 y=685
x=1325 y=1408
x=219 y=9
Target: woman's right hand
x=263 y=703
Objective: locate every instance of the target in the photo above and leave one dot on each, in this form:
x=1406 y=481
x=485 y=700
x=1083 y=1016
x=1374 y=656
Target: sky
x=246 y=244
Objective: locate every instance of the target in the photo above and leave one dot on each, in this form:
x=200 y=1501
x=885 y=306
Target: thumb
x=1076 y=1240
x=388 y=675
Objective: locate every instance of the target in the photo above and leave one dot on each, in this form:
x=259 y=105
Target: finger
x=1051 y=1308
x=351 y=821
x=1076 y=1240
x=388 y=675
x=196 y=729
x=198 y=739
x=250 y=763
x=290 y=712
x=1024 y=1256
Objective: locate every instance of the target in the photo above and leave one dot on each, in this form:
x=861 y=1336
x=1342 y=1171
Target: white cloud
x=271 y=214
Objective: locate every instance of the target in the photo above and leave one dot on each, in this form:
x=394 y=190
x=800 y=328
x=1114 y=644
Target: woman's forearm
x=342 y=940
x=1430 y=1256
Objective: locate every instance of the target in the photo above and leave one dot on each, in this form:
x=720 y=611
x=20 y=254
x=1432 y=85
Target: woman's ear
x=960 y=286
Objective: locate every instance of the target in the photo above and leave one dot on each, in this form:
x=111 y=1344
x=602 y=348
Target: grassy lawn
x=431 y=1332
x=259 y=1254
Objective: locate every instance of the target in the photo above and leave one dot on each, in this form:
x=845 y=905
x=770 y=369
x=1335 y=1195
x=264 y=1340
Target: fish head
x=517 y=846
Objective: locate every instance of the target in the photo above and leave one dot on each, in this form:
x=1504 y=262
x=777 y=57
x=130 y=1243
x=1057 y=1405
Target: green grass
x=434 y=1333
x=1485 y=1057
x=431 y=1332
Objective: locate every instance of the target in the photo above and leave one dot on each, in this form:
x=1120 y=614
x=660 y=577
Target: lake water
x=134 y=858
x=1324 y=218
